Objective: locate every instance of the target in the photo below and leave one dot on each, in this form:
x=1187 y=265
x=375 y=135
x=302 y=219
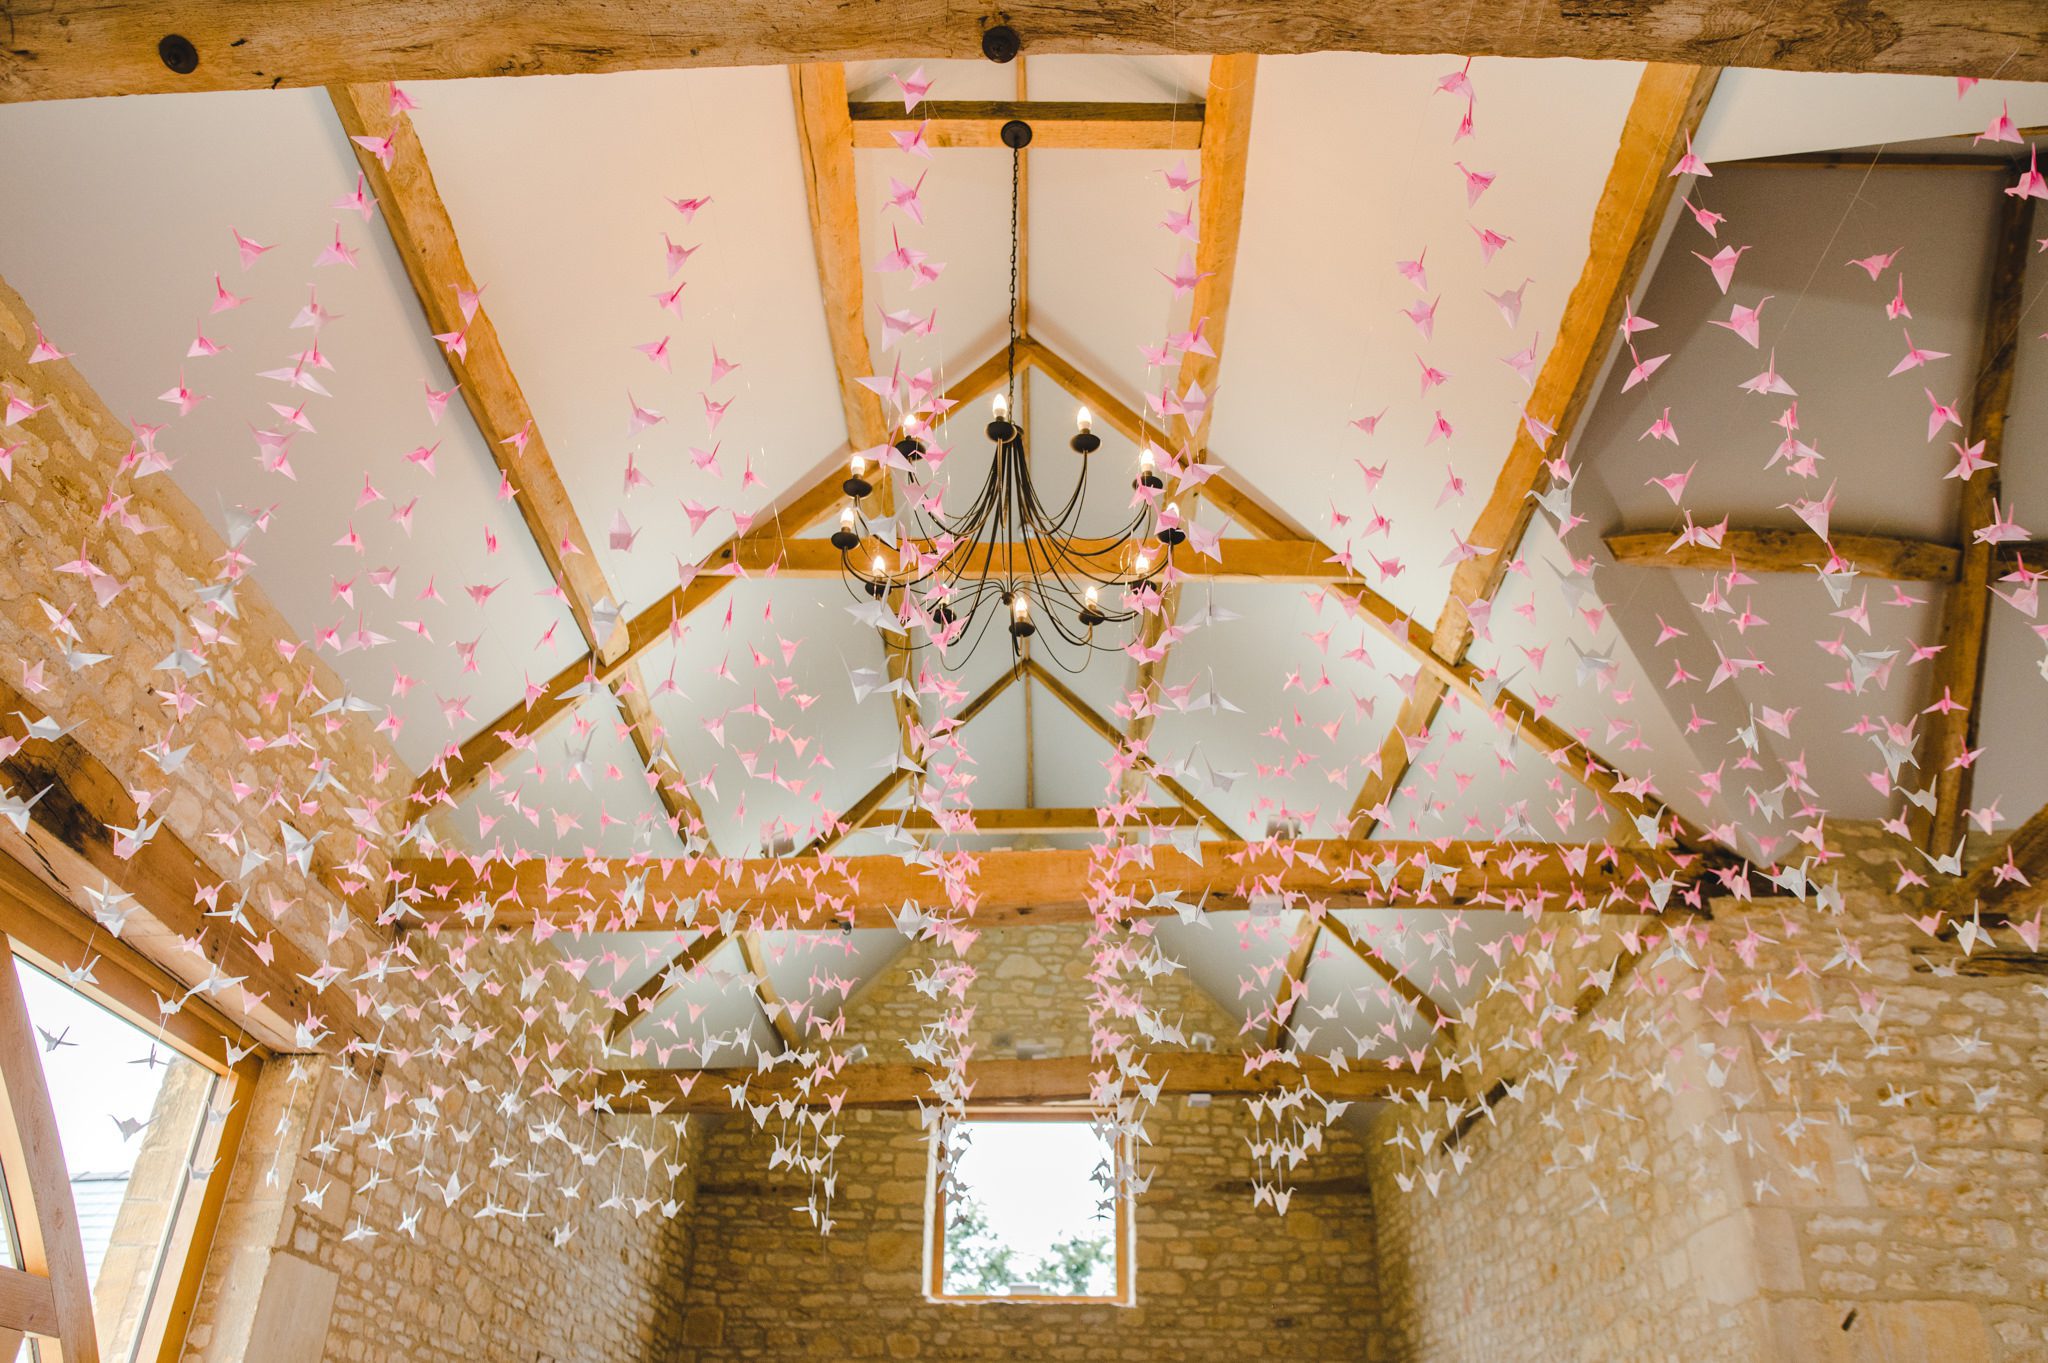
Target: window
x=1032 y=1211
x=142 y=1126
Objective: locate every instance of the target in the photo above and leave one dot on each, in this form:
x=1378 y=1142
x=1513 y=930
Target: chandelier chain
x=1016 y=183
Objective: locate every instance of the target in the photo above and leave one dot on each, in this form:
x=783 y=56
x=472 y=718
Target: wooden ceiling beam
x=754 y=950
x=1033 y=820
x=1056 y=125
x=862 y=812
x=1066 y=1079
x=133 y=47
x=1893 y=558
x=1016 y=887
x=1958 y=676
x=461 y=769
x=1223 y=491
x=1668 y=104
x=812 y=500
x=663 y=982
x=1219 y=217
x=424 y=235
x=1376 y=961
x=1237 y=560
x=68 y=845
x=427 y=246
x=1890 y=558
x=825 y=149
x=1110 y=734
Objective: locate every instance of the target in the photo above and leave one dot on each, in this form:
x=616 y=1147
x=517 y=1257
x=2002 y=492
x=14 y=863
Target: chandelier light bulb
x=1082 y=420
x=1001 y=407
x=1020 y=606
x=846 y=538
x=1144 y=564
x=1145 y=462
x=878 y=568
x=858 y=466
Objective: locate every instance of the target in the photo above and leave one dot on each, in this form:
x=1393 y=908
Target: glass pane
x=1031 y=1212
x=130 y=1114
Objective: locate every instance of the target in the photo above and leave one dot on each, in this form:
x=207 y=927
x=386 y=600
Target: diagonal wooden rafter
x=122 y=47
x=801 y=507
x=754 y=950
x=1667 y=108
x=1376 y=961
x=1957 y=683
x=825 y=147
x=425 y=237
x=424 y=234
x=1226 y=147
x=1292 y=990
x=862 y=812
x=663 y=982
x=1110 y=734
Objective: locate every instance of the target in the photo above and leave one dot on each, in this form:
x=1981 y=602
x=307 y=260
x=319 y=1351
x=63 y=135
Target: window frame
x=127 y=983
x=1123 y=1234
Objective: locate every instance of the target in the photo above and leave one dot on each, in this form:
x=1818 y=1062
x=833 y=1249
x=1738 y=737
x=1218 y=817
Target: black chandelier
x=1009 y=554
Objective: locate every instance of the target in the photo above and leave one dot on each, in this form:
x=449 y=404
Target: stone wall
x=1774 y=1153
x=457 y=1285
x=1216 y=1279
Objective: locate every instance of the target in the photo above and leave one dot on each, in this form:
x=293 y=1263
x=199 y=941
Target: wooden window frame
x=1124 y=1235
x=127 y=984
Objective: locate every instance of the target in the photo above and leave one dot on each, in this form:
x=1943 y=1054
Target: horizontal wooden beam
x=1066 y=1079
x=1021 y=887
x=1056 y=125
x=68 y=844
x=1073 y=820
x=1236 y=560
x=1895 y=558
x=28 y=1304
x=126 y=47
